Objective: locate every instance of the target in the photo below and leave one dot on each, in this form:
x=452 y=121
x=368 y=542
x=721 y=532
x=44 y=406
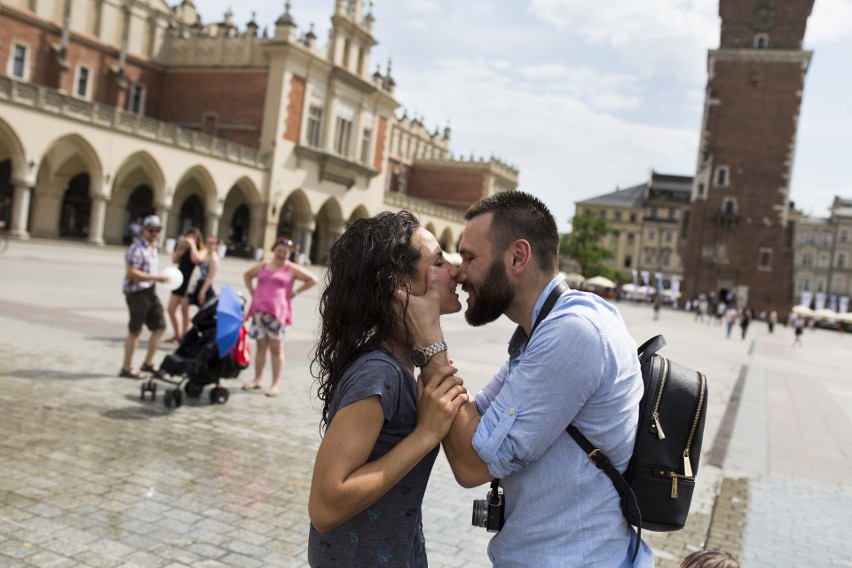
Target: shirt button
x=512 y=411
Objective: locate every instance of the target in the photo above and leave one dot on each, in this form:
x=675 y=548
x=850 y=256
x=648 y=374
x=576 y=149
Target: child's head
x=710 y=559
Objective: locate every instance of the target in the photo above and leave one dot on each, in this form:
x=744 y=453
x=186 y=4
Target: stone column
x=97 y=218
x=212 y=222
x=21 y=210
x=163 y=213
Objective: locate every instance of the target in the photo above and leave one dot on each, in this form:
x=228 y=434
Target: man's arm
x=422 y=320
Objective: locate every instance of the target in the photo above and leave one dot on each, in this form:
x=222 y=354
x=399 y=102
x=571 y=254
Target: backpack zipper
x=655 y=416
x=675 y=476
x=687 y=465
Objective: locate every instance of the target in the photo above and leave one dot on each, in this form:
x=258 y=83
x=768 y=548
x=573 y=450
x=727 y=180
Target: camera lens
x=480 y=512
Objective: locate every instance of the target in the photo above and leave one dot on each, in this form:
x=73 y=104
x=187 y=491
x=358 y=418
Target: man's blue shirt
x=580 y=366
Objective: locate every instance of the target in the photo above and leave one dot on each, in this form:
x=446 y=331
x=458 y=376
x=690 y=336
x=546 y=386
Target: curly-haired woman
x=382 y=427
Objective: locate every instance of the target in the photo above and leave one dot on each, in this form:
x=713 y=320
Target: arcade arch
x=329 y=226
x=194 y=204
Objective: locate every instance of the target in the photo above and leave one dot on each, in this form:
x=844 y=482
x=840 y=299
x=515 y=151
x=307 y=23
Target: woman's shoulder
x=375 y=362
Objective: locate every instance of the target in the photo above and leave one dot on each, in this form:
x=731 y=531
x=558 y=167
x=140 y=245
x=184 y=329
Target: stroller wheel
x=193 y=390
x=167 y=398
x=219 y=395
x=178 y=398
x=149 y=386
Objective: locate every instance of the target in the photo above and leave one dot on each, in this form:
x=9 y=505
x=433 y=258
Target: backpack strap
x=601 y=460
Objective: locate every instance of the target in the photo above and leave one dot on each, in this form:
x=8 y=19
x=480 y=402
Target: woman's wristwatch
x=421 y=356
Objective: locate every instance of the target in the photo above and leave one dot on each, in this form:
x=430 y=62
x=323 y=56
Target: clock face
x=763 y=15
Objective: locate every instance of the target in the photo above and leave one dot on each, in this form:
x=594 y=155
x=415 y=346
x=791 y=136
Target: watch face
x=418 y=358
x=763 y=15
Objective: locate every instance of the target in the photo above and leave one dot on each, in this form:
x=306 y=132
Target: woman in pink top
x=271 y=308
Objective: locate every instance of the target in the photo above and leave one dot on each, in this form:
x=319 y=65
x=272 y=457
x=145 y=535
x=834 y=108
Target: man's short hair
x=710 y=559
x=519 y=215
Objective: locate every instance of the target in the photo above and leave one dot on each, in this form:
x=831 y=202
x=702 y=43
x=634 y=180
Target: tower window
x=764 y=261
x=761 y=41
x=729 y=207
x=722 y=177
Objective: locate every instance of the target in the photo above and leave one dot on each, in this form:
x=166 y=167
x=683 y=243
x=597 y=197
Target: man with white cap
x=139 y=290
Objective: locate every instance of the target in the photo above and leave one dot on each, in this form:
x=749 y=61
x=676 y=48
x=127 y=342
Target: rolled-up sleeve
x=539 y=393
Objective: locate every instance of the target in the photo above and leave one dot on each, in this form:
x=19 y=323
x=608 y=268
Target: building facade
x=740 y=237
x=110 y=111
x=648 y=222
x=823 y=259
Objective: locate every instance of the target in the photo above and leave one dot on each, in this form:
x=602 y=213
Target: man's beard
x=492 y=298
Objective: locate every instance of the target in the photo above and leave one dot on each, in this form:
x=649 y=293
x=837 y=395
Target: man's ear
x=520 y=256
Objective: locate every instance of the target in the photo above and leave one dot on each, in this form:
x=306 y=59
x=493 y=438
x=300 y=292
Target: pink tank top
x=271 y=295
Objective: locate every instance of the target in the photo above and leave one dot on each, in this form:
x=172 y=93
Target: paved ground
x=90 y=475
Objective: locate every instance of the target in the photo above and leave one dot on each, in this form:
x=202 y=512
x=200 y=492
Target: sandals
x=131 y=374
x=146 y=368
x=251 y=386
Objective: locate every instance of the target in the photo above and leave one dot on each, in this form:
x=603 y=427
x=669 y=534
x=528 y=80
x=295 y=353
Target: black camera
x=488 y=512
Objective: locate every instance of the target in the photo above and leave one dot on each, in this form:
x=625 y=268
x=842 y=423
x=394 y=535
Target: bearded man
x=577 y=365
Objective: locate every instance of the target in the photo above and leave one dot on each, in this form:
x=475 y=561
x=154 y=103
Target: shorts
x=145 y=308
x=264 y=325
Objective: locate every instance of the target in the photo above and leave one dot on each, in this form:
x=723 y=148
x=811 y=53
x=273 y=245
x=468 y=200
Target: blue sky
x=583 y=101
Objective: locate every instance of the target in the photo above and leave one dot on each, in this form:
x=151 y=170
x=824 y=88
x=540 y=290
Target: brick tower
x=739 y=234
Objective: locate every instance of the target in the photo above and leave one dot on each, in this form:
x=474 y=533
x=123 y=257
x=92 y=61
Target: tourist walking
x=188 y=252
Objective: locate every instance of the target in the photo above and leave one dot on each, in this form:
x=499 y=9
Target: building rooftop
x=629 y=197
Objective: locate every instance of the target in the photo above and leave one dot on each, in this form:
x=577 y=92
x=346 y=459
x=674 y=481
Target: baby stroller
x=198 y=360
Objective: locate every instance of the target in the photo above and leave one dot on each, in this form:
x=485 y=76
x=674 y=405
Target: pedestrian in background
x=710 y=559
x=799 y=328
x=382 y=427
x=188 y=253
x=271 y=309
x=140 y=277
x=773 y=319
x=745 y=320
x=730 y=319
x=201 y=290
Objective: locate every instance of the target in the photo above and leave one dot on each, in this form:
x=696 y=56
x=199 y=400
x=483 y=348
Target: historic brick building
x=739 y=238
x=110 y=111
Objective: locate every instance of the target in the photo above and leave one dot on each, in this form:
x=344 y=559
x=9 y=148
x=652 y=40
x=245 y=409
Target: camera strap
x=520 y=338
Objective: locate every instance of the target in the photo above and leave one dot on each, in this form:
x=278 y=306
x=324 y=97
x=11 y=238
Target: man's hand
x=161 y=278
x=422 y=313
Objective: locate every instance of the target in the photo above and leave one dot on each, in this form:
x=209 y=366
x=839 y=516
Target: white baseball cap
x=152 y=221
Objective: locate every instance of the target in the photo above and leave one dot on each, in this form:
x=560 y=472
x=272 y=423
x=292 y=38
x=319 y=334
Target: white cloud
x=601 y=90
x=566 y=151
x=830 y=21
x=653 y=36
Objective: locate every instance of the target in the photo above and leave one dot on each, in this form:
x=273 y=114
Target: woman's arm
x=250 y=275
x=344 y=483
x=179 y=248
x=307 y=278
x=197 y=256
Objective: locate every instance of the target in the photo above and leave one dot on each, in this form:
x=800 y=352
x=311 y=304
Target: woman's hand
x=438 y=401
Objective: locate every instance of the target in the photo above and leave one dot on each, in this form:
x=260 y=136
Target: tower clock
x=738 y=235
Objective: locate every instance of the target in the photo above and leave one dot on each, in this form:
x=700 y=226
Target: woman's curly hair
x=366 y=266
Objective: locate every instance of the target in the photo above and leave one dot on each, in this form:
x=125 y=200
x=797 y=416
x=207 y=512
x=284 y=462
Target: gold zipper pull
x=658 y=427
x=673 y=475
x=687 y=466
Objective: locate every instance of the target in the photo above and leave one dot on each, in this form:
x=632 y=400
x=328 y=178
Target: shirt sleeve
x=525 y=410
x=373 y=377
